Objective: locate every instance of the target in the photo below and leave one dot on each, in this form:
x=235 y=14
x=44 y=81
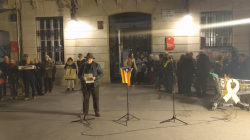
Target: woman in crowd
x=218 y=66
x=151 y=68
x=53 y=73
x=39 y=73
x=180 y=73
x=48 y=66
x=158 y=73
x=130 y=63
x=189 y=70
x=141 y=65
x=13 y=78
x=70 y=81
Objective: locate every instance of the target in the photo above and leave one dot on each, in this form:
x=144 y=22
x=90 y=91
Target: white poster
x=168 y=13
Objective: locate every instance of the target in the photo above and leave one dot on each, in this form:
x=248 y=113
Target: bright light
x=230 y=23
x=186 y=26
x=76 y=29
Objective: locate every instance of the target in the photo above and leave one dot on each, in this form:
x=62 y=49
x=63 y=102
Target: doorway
x=129 y=32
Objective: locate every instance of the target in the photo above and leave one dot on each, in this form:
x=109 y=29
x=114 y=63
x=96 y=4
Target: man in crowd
x=5 y=68
x=2 y=78
x=29 y=79
x=202 y=72
x=39 y=72
x=80 y=62
x=48 y=66
x=91 y=88
x=22 y=63
x=238 y=68
x=227 y=62
x=53 y=73
x=151 y=69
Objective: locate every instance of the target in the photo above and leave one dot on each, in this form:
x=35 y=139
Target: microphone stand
x=174 y=116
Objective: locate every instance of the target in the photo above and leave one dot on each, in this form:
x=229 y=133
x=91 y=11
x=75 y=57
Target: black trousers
x=180 y=84
x=4 y=89
x=48 y=84
x=201 y=84
x=187 y=83
x=95 y=97
x=39 y=85
x=132 y=79
x=140 y=77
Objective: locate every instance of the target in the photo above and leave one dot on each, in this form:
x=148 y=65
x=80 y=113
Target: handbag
x=70 y=74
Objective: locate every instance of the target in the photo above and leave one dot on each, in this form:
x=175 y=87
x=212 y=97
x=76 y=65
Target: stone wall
x=8 y=26
x=90 y=39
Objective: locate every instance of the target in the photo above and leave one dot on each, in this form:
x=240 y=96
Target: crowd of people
x=163 y=69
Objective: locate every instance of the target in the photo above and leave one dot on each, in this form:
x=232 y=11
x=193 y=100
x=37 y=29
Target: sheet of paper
x=26 y=67
x=89 y=77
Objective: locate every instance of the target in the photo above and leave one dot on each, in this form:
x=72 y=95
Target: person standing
x=227 y=62
x=70 y=65
x=48 y=66
x=29 y=79
x=180 y=74
x=95 y=69
x=141 y=67
x=130 y=63
x=2 y=81
x=39 y=73
x=151 y=68
x=21 y=81
x=203 y=63
x=157 y=73
x=13 y=78
x=5 y=67
x=189 y=69
x=238 y=68
x=168 y=71
x=79 y=63
x=218 y=67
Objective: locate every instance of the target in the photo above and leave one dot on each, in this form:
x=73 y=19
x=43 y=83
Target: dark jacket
x=219 y=70
x=169 y=69
x=150 y=64
x=2 y=76
x=95 y=69
x=54 y=73
x=203 y=63
x=13 y=75
x=238 y=70
x=73 y=66
x=80 y=63
x=188 y=67
x=158 y=68
x=180 y=69
x=226 y=64
x=5 y=68
x=40 y=70
x=28 y=74
x=48 y=72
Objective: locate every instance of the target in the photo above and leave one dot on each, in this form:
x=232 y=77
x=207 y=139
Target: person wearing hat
x=80 y=62
x=90 y=67
x=48 y=66
x=70 y=65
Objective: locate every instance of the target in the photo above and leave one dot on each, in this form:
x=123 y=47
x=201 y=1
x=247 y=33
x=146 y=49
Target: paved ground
x=48 y=117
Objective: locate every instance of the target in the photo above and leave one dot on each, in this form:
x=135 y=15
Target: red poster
x=14 y=47
x=170 y=43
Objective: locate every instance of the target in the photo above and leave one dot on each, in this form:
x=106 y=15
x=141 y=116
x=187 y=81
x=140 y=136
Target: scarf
x=12 y=65
x=70 y=63
x=81 y=59
x=165 y=65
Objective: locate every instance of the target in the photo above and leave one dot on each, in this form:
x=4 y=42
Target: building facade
x=101 y=29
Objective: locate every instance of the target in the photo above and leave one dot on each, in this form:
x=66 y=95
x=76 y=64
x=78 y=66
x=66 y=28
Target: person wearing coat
x=80 y=62
x=150 y=65
x=53 y=73
x=203 y=63
x=168 y=70
x=141 y=68
x=91 y=67
x=158 y=73
x=29 y=79
x=130 y=63
x=180 y=73
x=70 y=65
x=219 y=69
x=189 y=70
x=13 y=78
x=5 y=67
x=39 y=75
x=48 y=67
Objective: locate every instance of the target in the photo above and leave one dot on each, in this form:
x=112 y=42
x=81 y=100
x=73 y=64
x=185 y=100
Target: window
x=50 y=39
x=216 y=36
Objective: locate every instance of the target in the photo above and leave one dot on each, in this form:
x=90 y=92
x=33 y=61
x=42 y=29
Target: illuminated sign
x=170 y=43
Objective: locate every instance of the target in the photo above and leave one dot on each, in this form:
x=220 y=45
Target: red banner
x=14 y=46
x=170 y=43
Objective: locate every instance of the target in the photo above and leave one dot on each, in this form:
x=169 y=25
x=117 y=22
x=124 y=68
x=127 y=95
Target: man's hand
x=47 y=68
x=94 y=78
x=85 y=78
